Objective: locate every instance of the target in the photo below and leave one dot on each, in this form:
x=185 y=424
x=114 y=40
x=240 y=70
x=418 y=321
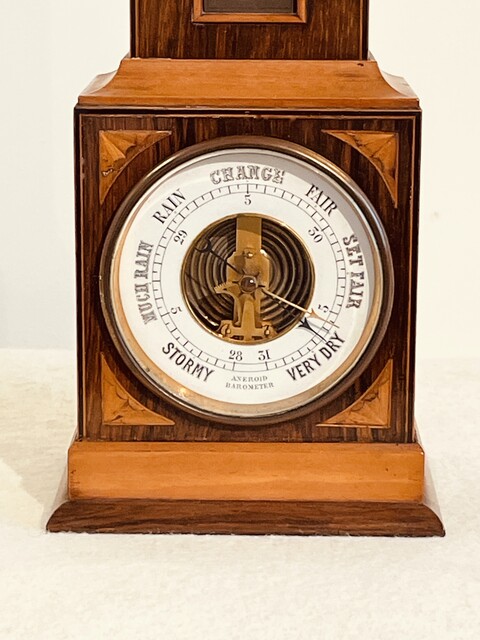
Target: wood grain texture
x=381 y=149
x=248 y=518
x=118 y=148
x=329 y=472
x=310 y=130
x=119 y=408
x=248 y=84
x=373 y=408
x=233 y=471
x=335 y=29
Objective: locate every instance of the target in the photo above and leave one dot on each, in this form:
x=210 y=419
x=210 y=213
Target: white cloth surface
x=95 y=587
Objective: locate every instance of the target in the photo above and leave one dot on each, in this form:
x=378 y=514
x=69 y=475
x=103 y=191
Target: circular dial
x=245 y=279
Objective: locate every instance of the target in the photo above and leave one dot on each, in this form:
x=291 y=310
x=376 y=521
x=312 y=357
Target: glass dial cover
x=246 y=279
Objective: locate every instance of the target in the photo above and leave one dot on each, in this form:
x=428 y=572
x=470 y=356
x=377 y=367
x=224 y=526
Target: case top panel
x=250 y=29
x=250 y=84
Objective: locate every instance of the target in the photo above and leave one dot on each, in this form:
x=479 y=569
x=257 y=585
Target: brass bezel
x=305 y=402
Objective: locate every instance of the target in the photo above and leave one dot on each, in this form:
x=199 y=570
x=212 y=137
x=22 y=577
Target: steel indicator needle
x=209 y=249
x=311 y=313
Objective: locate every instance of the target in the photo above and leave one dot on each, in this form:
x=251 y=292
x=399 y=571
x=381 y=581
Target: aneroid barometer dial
x=245 y=279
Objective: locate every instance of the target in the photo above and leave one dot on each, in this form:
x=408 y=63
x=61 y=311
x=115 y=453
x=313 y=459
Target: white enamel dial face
x=245 y=282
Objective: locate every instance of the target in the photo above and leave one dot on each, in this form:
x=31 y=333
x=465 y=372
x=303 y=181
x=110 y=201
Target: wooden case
x=350 y=466
x=379 y=149
x=330 y=30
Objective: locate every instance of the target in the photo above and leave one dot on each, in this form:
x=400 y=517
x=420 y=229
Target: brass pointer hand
x=311 y=313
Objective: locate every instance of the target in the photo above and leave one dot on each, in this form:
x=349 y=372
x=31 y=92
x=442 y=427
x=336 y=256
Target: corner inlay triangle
x=120 y=409
x=373 y=409
x=381 y=148
x=118 y=148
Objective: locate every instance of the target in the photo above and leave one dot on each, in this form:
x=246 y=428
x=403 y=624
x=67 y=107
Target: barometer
x=247 y=214
x=245 y=279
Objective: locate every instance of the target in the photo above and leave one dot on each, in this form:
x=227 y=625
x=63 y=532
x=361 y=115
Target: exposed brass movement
x=245 y=283
x=248 y=278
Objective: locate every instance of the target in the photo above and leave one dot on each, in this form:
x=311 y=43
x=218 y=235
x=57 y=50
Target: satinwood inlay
x=373 y=409
x=381 y=149
x=120 y=408
x=118 y=148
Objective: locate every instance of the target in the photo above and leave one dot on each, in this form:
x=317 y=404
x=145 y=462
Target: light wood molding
x=226 y=471
x=118 y=148
x=120 y=409
x=381 y=148
x=243 y=84
x=372 y=410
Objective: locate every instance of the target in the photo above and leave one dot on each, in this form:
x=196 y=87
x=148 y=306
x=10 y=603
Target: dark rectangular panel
x=250 y=6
